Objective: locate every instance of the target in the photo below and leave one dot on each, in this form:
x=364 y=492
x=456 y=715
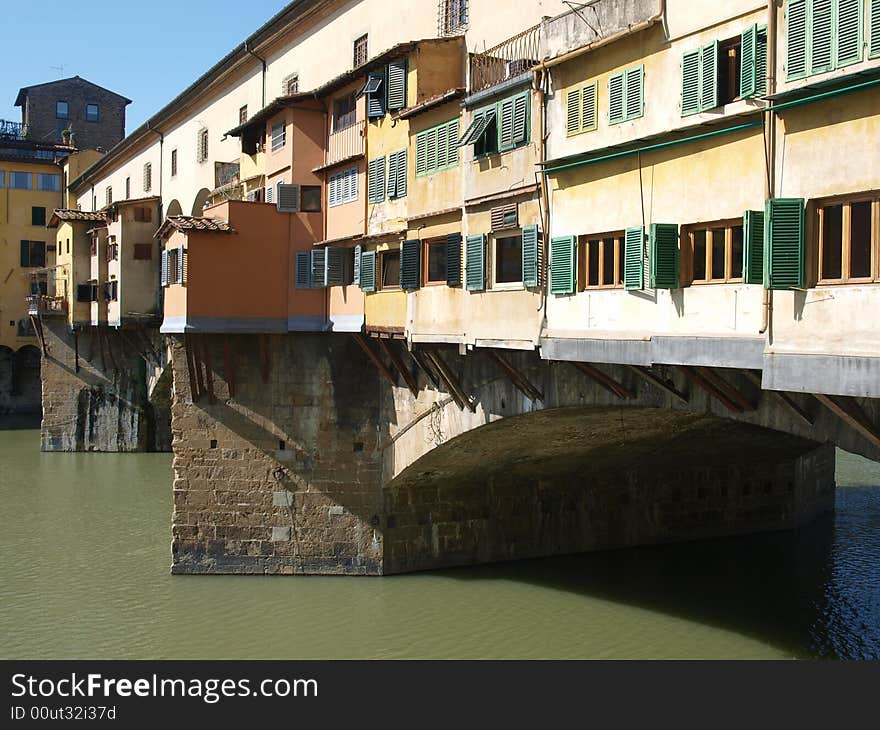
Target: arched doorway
x=174 y=208
x=199 y=204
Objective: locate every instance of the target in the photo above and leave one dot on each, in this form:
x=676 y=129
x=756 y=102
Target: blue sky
x=148 y=52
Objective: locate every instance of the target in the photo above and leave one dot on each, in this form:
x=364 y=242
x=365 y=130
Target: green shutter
x=848 y=27
x=335 y=266
x=410 y=265
x=874 y=43
x=796 y=36
x=475 y=264
x=821 y=36
x=397 y=85
x=761 y=61
x=453 y=259
x=319 y=268
x=748 y=65
x=356 y=268
x=163 y=274
x=616 y=107
x=690 y=83
x=421 y=154
x=634 y=259
x=391 y=187
x=590 y=107
x=401 y=173
x=635 y=96
x=368 y=271
x=521 y=118
x=506 y=113
x=664 y=256
x=376 y=100
x=303 y=270
x=562 y=264
x=376 y=180
x=452 y=130
x=573 y=112
x=753 y=247
x=530 y=256
x=709 y=76
x=784 y=243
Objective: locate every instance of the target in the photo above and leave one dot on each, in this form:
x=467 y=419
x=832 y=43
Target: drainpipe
x=262 y=61
x=770 y=139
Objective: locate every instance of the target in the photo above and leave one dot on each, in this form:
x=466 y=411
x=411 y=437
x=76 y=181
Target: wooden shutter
x=664 y=256
x=391 y=187
x=356 y=269
x=874 y=32
x=634 y=259
x=616 y=107
x=590 y=107
x=181 y=265
x=319 y=268
x=401 y=173
x=530 y=256
x=376 y=180
x=573 y=112
x=421 y=154
x=690 y=83
x=288 y=198
x=505 y=216
x=163 y=277
x=368 y=271
x=410 y=265
x=848 y=19
x=753 y=247
x=709 y=76
x=443 y=144
x=796 y=35
x=635 y=100
x=475 y=263
x=335 y=266
x=761 y=61
x=821 y=36
x=784 y=243
x=562 y=264
x=507 y=116
x=431 y=155
x=397 y=85
x=453 y=259
x=520 y=118
x=748 y=62
x=452 y=133
x=303 y=270
x=376 y=100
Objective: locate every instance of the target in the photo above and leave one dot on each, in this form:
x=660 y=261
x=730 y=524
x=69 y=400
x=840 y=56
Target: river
x=85 y=574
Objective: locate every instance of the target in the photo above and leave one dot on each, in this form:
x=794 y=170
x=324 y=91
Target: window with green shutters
x=530 y=256
x=562 y=264
x=503 y=126
x=663 y=257
x=824 y=35
x=753 y=62
x=396 y=75
x=475 y=263
x=397 y=168
x=368 y=271
x=626 y=95
x=634 y=259
x=410 y=265
x=376 y=180
x=453 y=259
x=784 y=243
x=437 y=149
x=699 y=79
x=582 y=109
x=753 y=247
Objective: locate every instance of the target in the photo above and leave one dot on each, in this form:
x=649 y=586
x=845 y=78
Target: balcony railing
x=506 y=60
x=13 y=130
x=346 y=143
x=47 y=306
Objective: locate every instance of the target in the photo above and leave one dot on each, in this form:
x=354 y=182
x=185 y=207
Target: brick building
x=95 y=115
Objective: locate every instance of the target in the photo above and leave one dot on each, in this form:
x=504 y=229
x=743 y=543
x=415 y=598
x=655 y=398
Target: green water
x=85 y=574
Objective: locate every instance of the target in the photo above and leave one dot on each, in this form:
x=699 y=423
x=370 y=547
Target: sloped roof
x=23 y=92
x=68 y=214
x=187 y=223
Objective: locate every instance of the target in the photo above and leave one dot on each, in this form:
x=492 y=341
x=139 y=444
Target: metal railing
x=13 y=130
x=511 y=58
x=348 y=142
x=47 y=306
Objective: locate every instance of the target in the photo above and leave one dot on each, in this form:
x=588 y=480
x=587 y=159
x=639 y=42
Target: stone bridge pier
x=322 y=454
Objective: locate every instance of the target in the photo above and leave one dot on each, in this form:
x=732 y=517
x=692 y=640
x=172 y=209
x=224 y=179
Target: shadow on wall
x=20 y=387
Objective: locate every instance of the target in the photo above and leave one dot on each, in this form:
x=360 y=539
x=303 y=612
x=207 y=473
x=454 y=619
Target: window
x=344 y=112
x=112 y=250
x=823 y=35
x=38 y=216
x=753 y=62
x=62 y=110
x=290 y=85
x=453 y=16
x=729 y=61
x=279 y=135
x=128 y=188
x=376 y=180
x=374 y=91
x=148 y=177
x=243 y=114
x=92 y=114
x=173 y=163
x=360 y=51
x=716 y=251
x=142 y=214
x=389 y=264
x=848 y=239
x=711 y=75
x=20 y=181
x=343 y=187
x=397 y=169
x=143 y=252
x=202 y=150
x=111 y=291
x=50 y=183
x=601 y=260
x=436 y=149
x=311 y=198
x=582 y=109
x=508 y=259
x=626 y=97
x=108 y=195
x=435 y=261
x=500 y=127
x=33 y=254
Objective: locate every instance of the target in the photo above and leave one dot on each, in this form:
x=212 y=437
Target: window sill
x=712 y=282
x=512 y=286
x=846 y=282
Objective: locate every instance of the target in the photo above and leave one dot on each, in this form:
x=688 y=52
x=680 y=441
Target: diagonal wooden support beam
x=190 y=368
x=375 y=359
x=452 y=383
x=91 y=344
x=37 y=325
x=209 y=371
x=784 y=398
x=264 y=357
x=606 y=381
x=849 y=411
x=401 y=367
x=697 y=379
x=229 y=366
x=727 y=388
x=522 y=383
x=426 y=367
x=658 y=382
x=101 y=348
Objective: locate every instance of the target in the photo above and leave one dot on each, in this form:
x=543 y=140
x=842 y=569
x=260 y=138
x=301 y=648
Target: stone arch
x=26 y=380
x=199 y=203
x=7 y=368
x=174 y=208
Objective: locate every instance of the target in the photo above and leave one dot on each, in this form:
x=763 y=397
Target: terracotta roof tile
x=194 y=223
x=67 y=214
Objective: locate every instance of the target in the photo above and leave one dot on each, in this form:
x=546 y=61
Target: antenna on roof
x=59 y=69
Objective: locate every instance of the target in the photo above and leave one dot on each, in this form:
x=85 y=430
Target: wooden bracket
x=522 y=383
x=191 y=367
x=452 y=384
x=848 y=410
x=426 y=367
x=606 y=381
x=398 y=363
x=91 y=344
x=784 y=398
x=209 y=371
x=375 y=359
x=229 y=367
x=110 y=349
x=696 y=377
x=100 y=337
x=727 y=388
x=264 y=357
x=655 y=380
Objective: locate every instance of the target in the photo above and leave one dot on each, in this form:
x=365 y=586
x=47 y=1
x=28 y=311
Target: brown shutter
x=505 y=216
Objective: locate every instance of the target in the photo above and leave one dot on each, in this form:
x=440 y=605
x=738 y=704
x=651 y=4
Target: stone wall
x=19 y=381
x=103 y=406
